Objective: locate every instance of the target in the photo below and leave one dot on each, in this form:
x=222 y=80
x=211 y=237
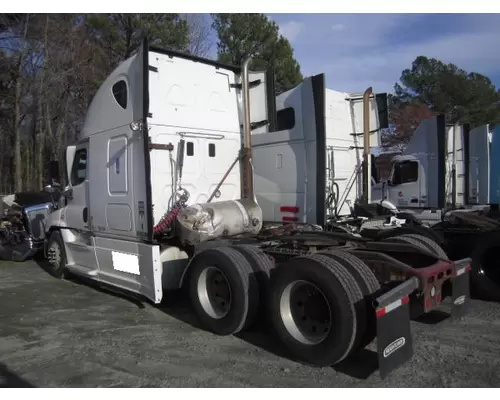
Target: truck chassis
x=326 y=294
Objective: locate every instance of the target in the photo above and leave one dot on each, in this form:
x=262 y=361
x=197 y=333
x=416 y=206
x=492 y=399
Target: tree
x=119 y=35
x=242 y=35
x=405 y=119
x=445 y=88
x=199 y=26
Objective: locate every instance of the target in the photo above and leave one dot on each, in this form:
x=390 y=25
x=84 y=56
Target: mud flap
x=394 y=341
x=461 y=288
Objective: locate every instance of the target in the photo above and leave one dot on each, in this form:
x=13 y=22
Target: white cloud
x=291 y=29
x=357 y=51
x=472 y=52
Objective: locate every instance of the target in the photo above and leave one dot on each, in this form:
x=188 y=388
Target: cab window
x=405 y=172
x=79 y=168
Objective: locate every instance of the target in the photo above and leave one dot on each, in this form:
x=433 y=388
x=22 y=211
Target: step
x=81 y=270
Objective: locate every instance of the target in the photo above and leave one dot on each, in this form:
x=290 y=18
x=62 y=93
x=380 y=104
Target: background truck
x=442 y=167
x=311 y=162
x=161 y=196
x=297 y=171
x=447 y=176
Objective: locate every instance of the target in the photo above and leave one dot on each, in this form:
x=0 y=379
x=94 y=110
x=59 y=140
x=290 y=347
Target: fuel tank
x=201 y=222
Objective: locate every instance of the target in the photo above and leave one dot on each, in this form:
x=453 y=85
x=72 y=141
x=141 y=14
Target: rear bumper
x=428 y=287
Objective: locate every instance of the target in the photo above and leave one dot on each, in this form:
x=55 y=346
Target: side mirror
x=48 y=189
x=68 y=192
x=53 y=171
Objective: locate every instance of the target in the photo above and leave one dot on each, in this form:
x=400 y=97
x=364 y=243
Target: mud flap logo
x=459 y=300
x=394 y=346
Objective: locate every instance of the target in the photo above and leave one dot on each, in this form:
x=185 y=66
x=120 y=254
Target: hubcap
x=214 y=292
x=305 y=312
x=54 y=254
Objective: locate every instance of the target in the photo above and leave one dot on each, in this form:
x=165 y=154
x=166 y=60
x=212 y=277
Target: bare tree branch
x=200 y=30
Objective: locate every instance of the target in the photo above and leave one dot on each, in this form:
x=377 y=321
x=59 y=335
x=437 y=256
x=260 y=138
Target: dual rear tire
x=227 y=287
x=318 y=305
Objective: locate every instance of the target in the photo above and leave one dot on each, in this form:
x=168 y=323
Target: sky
x=356 y=51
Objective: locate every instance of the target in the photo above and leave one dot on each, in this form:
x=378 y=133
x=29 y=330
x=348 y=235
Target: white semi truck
x=312 y=162
x=161 y=196
x=441 y=167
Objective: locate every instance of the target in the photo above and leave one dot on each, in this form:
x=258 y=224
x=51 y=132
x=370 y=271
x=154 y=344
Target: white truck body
x=123 y=174
x=126 y=219
x=421 y=178
x=317 y=142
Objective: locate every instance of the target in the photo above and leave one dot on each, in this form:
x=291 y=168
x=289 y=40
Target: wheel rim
x=54 y=254
x=305 y=312
x=214 y=292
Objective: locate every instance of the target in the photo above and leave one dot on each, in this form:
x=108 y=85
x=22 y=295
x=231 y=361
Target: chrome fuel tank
x=202 y=222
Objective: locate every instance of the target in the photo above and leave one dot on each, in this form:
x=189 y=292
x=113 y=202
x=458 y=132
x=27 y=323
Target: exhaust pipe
x=366 y=147
x=202 y=222
x=247 y=185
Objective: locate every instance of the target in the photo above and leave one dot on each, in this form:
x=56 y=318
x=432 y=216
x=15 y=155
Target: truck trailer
x=161 y=197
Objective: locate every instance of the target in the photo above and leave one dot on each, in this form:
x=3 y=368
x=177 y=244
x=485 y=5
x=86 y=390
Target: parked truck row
x=444 y=186
x=180 y=162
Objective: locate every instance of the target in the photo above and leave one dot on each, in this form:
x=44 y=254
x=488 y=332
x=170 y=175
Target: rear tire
x=262 y=267
x=316 y=309
x=422 y=242
x=223 y=290
x=485 y=273
x=368 y=284
x=57 y=255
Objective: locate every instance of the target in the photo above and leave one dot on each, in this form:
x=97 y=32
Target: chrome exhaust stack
x=211 y=220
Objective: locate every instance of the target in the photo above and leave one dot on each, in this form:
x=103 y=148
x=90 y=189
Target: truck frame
x=142 y=220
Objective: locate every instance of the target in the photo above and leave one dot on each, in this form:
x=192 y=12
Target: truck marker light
x=395 y=304
x=136 y=126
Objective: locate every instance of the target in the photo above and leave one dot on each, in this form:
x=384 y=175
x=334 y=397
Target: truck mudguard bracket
x=394 y=341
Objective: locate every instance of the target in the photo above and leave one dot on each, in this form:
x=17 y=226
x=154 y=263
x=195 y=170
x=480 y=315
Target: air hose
x=333 y=198
x=169 y=217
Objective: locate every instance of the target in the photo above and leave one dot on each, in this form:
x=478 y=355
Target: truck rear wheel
x=262 y=267
x=485 y=274
x=368 y=284
x=423 y=243
x=315 y=308
x=223 y=290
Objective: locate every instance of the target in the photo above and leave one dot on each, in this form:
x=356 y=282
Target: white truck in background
x=441 y=167
x=161 y=197
x=309 y=168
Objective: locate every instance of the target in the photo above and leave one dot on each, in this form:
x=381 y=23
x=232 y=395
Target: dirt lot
x=67 y=334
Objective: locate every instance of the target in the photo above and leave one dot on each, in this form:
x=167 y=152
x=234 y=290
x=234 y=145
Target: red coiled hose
x=167 y=219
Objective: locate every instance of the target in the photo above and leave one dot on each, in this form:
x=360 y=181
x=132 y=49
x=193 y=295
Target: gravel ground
x=67 y=334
